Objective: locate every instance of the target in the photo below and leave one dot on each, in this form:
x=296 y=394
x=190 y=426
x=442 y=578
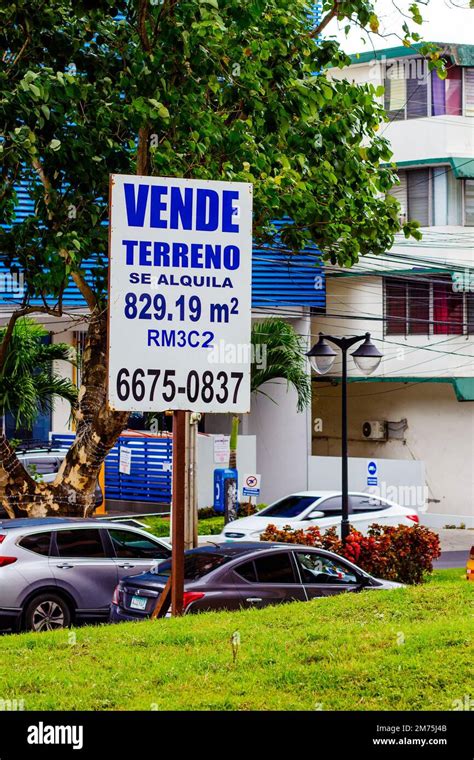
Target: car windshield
x=195 y=565
x=290 y=506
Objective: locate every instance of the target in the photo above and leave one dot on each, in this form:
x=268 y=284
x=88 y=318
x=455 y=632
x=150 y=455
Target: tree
x=28 y=382
x=188 y=88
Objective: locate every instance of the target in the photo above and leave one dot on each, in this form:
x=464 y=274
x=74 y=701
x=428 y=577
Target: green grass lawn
x=160 y=526
x=409 y=649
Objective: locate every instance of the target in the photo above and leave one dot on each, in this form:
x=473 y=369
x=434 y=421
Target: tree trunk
x=73 y=491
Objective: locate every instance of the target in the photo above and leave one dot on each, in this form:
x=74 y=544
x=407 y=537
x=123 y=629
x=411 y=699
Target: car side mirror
x=315 y=515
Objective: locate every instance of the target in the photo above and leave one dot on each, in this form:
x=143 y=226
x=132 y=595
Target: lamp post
x=367 y=358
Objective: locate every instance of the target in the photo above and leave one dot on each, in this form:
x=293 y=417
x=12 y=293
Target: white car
x=322 y=508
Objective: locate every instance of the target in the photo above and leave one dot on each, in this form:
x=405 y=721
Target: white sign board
x=125 y=460
x=179 y=294
x=221 y=449
x=251 y=485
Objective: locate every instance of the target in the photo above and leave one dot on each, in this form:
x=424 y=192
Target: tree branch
x=142 y=30
x=17 y=57
x=326 y=20
x=37 y=166
x=85 y=290
x=143 y=152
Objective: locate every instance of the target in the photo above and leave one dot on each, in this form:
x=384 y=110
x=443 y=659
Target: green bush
x=404 y=554
x=205 y=512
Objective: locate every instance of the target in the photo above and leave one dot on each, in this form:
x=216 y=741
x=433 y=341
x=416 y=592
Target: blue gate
x=150 y=471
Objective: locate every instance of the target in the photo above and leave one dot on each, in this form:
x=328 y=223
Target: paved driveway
x=451 y=559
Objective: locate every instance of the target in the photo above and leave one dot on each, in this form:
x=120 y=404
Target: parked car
x=322 y=508
x=231 y=576
x=58 y=571
x=43 y=463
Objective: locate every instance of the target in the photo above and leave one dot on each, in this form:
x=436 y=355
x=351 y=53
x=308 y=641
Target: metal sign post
x=178 y=510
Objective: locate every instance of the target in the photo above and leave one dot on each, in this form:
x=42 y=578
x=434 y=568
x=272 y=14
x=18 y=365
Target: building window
x=407 y=307
x=409 y=304
x=469 y=202
x=413 y=92
x=470 y=315
x=469 y=92
x=446 y=94
x=433 y=197
x=448 y=310
x=406 y=89
x=419 y=194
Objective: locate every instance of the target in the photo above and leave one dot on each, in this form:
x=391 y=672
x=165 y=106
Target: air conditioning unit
x=375 y=430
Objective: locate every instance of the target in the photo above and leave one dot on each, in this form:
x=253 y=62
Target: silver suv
x=56 y=571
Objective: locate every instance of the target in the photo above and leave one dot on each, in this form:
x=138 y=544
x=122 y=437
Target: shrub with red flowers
x=404 y=554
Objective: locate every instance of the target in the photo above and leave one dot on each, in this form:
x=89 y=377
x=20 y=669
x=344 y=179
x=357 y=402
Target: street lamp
x=367 y=358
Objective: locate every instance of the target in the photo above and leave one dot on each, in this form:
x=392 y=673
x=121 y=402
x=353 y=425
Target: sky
x=444 y=21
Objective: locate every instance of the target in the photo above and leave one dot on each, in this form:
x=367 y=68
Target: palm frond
x=27 y=381
x=55 y=352
x=282 y=354
x=49 y=386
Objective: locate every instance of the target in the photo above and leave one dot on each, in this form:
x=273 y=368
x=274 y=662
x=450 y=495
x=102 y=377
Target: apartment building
x=416 y=300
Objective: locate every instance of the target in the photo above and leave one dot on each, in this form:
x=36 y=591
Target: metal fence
x=150 y=469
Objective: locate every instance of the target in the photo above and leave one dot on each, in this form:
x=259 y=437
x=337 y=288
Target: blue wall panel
x=150 y=472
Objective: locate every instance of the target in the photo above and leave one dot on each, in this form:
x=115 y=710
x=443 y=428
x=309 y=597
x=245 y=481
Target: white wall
x=440 y=433
x=435 y=137
x=282 y=444
x=246 y=459
x=399 y=480
x=283 y=435
x=61 y=422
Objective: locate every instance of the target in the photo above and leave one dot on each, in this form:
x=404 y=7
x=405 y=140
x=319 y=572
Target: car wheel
x=47 y=612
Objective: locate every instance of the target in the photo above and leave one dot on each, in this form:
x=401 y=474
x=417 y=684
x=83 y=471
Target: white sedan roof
x=320 y=494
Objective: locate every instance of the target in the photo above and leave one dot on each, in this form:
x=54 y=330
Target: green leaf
x=163 y=112
x=374 y=23
x=35 y=90
x=55 y=144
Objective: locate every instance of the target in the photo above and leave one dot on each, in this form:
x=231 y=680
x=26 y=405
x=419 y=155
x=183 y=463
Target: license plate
x=138 y=603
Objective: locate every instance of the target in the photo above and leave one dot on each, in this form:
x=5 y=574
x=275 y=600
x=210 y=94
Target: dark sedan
x=232 y=576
